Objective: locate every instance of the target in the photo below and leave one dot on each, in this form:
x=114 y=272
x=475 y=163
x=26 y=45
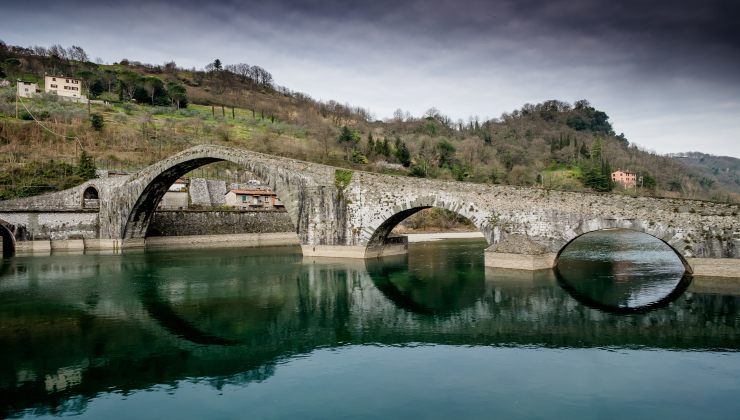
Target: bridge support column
x=529 y=262
x=520 y=253
x=398 y=245
x=33 y=247
x=715 y=267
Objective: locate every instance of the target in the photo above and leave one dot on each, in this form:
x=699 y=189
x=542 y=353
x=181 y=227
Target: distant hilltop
x=130 y=114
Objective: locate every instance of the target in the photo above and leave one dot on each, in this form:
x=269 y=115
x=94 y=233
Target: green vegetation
x=37 y=178
x=97 y=122
x=342 y=178
x=153 y=111
x=86 y=167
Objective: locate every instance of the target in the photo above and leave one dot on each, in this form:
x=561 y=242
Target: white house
x=27 y=89
x=65 y=87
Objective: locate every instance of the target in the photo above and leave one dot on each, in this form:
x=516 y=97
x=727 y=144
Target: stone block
x=520 y=261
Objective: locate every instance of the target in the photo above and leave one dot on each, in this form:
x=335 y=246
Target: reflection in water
x=428 y=281
x=74 y=329
x=621 y=271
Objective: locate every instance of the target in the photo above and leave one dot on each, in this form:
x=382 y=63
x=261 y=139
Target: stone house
x=625 y=178
x=253 y=199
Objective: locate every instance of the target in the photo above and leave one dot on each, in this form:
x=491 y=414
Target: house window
x=244 y=198
x=54 y=79
x=54 y=86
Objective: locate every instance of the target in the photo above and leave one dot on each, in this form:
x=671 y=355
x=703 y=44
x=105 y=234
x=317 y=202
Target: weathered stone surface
x=199 y=195
x=518 y=244
x=363 y=212
x=189 y=222
x=237 y=240
x=216 y=192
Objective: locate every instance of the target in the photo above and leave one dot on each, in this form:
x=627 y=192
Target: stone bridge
x=342 y=213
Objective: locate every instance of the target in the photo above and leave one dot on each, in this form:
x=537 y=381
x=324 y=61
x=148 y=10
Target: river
x=616 y=331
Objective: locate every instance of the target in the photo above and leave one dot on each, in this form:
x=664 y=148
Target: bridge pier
x=520 y=253
x=395 y=245
x=529 y=262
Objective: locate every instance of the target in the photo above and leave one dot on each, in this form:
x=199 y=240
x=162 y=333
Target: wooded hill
x=152 y=111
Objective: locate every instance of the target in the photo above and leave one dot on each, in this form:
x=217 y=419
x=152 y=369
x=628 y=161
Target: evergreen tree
x=347 y=137
x=370 y=144
x=488 y=138
x=86 y=166
x=597 y=172
x=403 y=154
x=97 y=122
x=386 y=148
x=446 y=153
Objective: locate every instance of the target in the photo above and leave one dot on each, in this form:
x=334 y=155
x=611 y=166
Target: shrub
x=342 y=178
x=97 y=122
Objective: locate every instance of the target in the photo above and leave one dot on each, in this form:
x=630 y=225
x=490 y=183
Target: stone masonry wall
x=189 y=222
x=35 y=226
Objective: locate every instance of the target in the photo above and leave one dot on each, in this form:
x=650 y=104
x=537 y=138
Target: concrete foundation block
x=33 y=247
x=333 y=251
x=358 y=251
x=68 y=245
x=387 y=250
x=715 y=267
x=113 y=245
x=520 y=261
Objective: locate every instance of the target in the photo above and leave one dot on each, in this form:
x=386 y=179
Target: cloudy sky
x=667 y=72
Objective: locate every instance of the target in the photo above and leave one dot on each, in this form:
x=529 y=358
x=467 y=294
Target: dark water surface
x=616 y=332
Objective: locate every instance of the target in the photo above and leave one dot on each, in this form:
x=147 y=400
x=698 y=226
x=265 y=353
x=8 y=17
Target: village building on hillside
x=625 y=178
x=253 y=199
x=27 y=89
x=64 y=87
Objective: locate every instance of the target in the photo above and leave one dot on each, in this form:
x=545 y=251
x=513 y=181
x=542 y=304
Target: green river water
x=617 y=331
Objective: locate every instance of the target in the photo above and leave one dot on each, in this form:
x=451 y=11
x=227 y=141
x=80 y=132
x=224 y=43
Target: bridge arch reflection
x=622 y=271
x=630 y=227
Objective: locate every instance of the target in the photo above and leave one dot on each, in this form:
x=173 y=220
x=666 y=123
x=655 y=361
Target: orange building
x=626 y=178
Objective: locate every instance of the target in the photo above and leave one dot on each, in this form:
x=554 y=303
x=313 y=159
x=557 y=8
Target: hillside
x=145 y=112
x=725 y=170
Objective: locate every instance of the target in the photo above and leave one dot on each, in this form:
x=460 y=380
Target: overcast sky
x=666 y=72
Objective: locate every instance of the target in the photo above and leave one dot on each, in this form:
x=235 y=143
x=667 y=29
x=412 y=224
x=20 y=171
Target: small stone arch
x=91 y=193
x=8 y=239
x=384 y=223
x=667 y=238
x=90 y=198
